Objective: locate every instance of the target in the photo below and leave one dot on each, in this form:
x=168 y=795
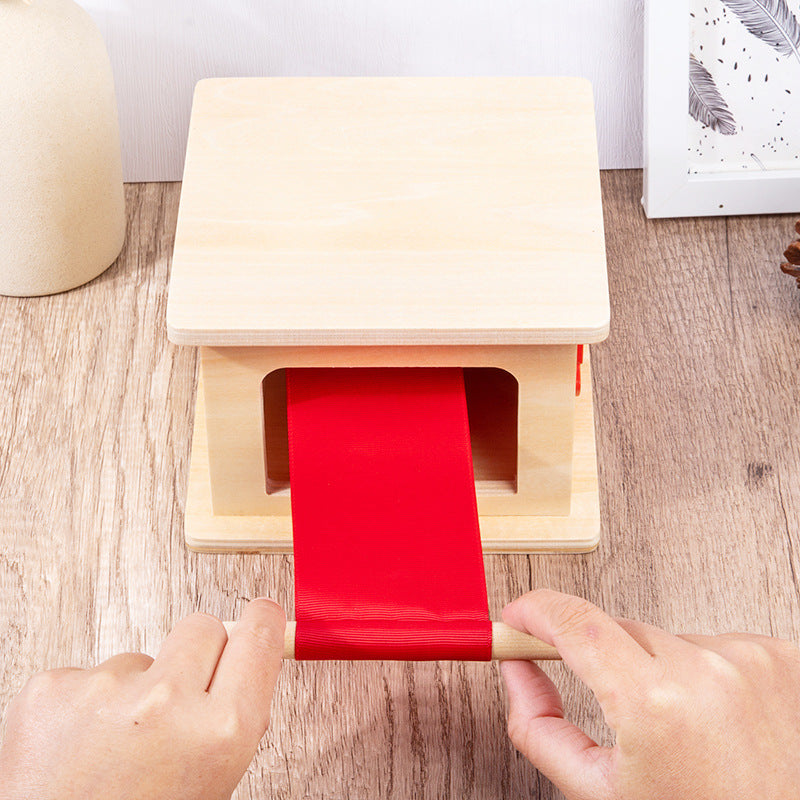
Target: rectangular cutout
x=492 y=405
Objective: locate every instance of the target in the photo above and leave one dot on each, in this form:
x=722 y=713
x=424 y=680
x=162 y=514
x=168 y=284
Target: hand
x=695 y=717
x=184 y=726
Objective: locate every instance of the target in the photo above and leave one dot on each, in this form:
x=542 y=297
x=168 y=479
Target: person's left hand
x=184 y=726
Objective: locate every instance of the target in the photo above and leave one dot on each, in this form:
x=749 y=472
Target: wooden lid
x=390 y=211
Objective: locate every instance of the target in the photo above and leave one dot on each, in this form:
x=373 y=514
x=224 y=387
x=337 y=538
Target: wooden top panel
x=335 y=211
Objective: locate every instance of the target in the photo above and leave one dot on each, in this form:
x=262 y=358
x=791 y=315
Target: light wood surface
x=699 y=439
x=387 y=211
x=507 y=644
x=525 y=521
x=433 y=213
x=238 y=416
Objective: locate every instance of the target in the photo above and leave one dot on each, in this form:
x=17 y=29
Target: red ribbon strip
x=387 y=552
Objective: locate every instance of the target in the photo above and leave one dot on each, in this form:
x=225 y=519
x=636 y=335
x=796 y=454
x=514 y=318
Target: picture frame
x=670 y=187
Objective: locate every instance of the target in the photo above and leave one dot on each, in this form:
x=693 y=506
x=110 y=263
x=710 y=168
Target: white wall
x=160 y=48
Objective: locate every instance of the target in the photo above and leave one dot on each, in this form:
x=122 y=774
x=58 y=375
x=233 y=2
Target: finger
x=51 y=682
x=603 y=655
x=126 y=663
x=556 y=747
x=249 y=666
x=723 y=639
x=751 y=652
x=190 y=653
x=40 y=692
x=654 y=640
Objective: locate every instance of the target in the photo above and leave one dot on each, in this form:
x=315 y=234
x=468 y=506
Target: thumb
x=248 y=668
x=558 y=749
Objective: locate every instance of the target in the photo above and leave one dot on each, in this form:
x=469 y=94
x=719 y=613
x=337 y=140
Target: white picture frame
x=669 y=190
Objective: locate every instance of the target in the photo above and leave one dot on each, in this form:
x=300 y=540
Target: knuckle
x=662 y=699
x=576 y=617
x=758 y=655
x=135 y=661
x=158 y=701
x=517 y=731
x=37 y=685
x=755 y=657
x=724 y=678
x=42 y=685
x=41 y=693
x=233 y=730
x=102 y=683
x=718 y=667
x=787 y=652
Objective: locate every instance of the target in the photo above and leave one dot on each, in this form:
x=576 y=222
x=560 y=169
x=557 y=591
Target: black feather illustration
x=771 y=21
x=706 y=104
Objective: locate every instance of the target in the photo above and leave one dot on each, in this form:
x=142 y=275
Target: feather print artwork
x=744 y=79
x=706 y=104
x=771 y=21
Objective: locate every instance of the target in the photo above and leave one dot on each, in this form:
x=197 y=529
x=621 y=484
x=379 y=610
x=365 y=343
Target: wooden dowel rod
x=510 y=644
x=507 y=644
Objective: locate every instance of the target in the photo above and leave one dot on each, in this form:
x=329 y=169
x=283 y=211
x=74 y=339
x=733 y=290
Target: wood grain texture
x=236 y=417
x=698 y=423
x=390 y=211
x=248 y=520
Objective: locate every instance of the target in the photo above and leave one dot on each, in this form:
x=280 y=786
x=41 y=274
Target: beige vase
x=62 y=209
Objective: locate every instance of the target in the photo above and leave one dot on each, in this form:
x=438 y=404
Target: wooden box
x=394 y=222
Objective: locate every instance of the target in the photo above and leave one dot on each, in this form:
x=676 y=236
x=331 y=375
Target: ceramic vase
x=62 y=208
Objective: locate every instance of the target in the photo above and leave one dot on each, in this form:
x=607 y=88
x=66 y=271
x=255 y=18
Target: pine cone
x=792 y=256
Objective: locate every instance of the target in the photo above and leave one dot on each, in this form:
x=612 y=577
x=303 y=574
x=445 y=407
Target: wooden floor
x=697 y=393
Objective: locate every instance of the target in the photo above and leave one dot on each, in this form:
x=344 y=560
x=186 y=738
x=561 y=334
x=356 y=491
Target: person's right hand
x=695 y=717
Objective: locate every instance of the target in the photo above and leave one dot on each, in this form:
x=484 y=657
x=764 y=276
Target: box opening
x=492 y=406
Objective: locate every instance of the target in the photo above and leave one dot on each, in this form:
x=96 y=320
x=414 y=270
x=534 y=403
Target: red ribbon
x=387 y=551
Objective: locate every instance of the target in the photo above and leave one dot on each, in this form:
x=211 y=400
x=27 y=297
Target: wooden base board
x=579 y=532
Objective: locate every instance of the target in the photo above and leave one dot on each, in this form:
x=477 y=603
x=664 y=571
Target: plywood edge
x=180 y=332
x=579 y=532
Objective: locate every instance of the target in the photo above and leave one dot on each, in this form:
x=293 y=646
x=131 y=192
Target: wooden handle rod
x=507 y=644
